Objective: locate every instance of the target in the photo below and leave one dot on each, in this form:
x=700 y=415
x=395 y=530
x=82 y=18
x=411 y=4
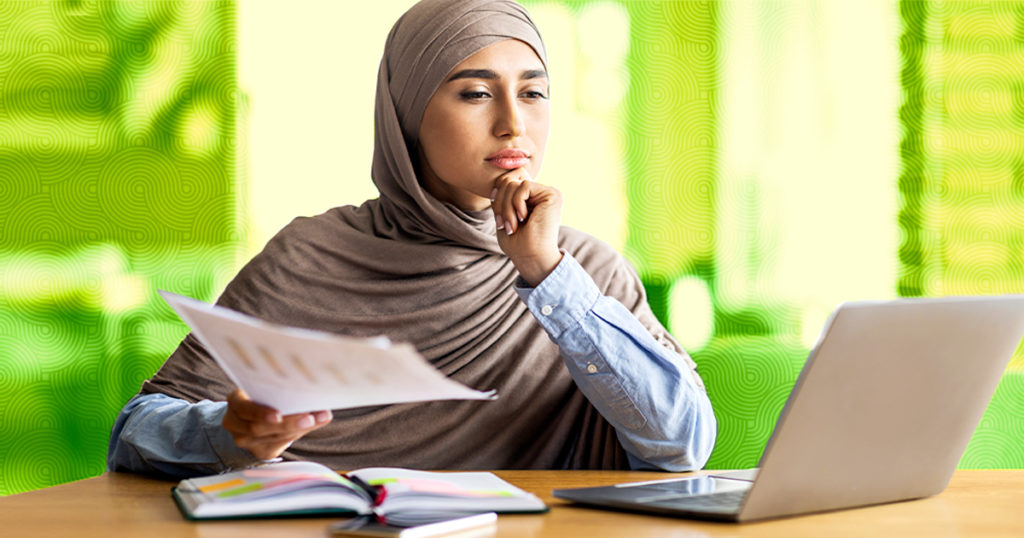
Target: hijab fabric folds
x=415 y=269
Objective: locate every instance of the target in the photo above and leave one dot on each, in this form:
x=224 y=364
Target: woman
x=463 y=256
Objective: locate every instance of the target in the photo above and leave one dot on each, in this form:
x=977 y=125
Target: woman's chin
x=472 y=202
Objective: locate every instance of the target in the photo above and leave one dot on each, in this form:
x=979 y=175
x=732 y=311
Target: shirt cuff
x=231 y=455
x=562 y=299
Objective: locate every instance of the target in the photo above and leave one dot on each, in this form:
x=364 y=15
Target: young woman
x=463 y=256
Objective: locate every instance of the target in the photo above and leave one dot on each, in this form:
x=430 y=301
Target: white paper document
x=298 y=370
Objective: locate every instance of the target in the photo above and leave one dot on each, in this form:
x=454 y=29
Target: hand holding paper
x=262 y=430
x=299 y=370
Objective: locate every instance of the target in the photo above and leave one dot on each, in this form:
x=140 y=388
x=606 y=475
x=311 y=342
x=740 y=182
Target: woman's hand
x=262 y=430
x=527 y=215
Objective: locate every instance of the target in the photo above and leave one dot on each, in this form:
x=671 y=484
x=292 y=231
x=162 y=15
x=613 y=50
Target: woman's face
x=490 y=115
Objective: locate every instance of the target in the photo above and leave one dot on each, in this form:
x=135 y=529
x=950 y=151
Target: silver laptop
x=882 y=411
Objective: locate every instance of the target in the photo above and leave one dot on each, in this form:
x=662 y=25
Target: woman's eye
x=534 y=95
x=471 y=96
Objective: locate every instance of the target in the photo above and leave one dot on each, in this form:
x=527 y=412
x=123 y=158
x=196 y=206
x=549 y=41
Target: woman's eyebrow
x=474 y=73
x=491 y=75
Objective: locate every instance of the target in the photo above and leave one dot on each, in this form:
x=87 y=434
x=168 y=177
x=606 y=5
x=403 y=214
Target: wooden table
x=976 y=503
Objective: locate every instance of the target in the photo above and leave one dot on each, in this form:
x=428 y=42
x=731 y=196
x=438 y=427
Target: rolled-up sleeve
x=647 y=392
x=160 y=435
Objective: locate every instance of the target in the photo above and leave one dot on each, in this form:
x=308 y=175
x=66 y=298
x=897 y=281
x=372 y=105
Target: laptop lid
x=886 y=404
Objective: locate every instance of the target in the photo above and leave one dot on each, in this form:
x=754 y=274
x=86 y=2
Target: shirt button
x=546 y=310
x=592 y=368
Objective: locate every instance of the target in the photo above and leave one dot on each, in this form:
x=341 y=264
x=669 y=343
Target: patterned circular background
x=118 y=176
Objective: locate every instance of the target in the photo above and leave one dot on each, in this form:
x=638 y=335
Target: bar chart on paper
x=297 y=370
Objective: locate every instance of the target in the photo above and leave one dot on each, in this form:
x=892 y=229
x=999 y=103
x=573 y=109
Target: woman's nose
x=509 y=123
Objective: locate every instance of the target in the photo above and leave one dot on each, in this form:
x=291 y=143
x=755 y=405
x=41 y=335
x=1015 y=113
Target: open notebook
x=300 y=488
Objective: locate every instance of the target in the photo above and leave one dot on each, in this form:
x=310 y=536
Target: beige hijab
x=418 y=270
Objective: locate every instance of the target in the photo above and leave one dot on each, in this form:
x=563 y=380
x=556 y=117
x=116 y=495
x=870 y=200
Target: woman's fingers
x=511 y=196
x=528 y=216
x=498 y=205
x=262 y=430
x=507 y=207
x=265 y=440
x=291 y=428
x=247 y=409
x=519 y=196
x=516 y=197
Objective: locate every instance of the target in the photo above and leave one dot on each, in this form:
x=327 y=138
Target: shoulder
x=583 y=245
x=606 y=266
x=320 y=243
x=308 y=231
x=305 y=247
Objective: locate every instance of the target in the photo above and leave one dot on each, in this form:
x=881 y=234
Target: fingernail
x=494 y=193
x=522 y=216
x=306 y=422
x=509 y=228
x=499 y=221
x=323 y=416
x=274 y=418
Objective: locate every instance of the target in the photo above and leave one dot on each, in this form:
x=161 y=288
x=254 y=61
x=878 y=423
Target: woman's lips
x=509 y=159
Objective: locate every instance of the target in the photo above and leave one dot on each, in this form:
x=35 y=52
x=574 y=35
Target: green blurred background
x=758 y=161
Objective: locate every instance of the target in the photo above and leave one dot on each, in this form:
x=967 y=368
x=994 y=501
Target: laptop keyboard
x=725 y=502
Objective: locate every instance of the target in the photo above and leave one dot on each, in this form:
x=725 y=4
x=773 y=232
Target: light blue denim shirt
x=647 y=392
